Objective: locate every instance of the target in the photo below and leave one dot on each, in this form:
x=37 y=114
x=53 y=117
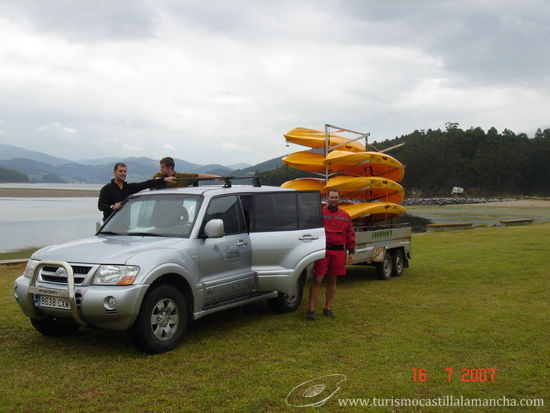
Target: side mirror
x=214 y=228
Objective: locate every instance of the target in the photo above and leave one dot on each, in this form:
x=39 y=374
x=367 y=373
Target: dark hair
x=168 y=161
x=119 y=164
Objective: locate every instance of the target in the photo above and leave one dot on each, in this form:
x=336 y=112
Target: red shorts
x=334 y=263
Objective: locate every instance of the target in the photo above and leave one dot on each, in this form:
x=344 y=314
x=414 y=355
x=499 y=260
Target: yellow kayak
x=370 y=188
x=373 y=211
x=365 y=164
x=305 y=184
x=306 y=161
x=350 y=163
x=316 y=139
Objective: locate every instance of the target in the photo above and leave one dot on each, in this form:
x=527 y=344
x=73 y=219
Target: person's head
x=333 y=198
x=119 y=171
x=167 y=166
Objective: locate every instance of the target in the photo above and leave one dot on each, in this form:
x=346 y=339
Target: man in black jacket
x=114 y=193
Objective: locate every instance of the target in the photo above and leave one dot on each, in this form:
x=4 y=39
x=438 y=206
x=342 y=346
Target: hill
x=483 y=163
x=11 y=152
x=7 y=175
x=261 y=167
x=40 y=167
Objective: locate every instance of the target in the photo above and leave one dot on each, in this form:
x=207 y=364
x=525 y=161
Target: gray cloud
x=85 y=20
x=222 y=81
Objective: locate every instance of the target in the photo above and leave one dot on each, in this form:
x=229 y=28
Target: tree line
x=483 y=163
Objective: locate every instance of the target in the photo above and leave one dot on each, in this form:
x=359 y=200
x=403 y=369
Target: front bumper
x=90 y=305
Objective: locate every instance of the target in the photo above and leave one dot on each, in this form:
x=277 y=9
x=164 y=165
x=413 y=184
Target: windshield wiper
x=144 y=234
x=109 y=233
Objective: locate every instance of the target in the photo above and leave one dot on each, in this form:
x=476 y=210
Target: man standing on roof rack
x=167 y=166
x=339 y=236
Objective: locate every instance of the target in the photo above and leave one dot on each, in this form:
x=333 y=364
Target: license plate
x=52 y=302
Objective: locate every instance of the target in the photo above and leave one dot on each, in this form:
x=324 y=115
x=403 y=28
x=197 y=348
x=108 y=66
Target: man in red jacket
x=340 y=236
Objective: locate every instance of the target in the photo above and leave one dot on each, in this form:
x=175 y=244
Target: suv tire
x=161 y=321
x=285 y=303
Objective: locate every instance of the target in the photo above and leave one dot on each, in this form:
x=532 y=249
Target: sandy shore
x=520 y=203
x=46 y=193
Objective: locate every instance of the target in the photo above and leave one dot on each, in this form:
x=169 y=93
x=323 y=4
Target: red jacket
x=338 y=228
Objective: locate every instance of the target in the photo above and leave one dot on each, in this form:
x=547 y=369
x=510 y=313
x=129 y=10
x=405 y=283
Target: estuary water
x=37 y=222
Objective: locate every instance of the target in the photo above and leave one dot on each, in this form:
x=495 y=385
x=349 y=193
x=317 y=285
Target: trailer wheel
x=384 y=269
x=398 y=258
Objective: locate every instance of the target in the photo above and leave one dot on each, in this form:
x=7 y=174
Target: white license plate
x=52 y=302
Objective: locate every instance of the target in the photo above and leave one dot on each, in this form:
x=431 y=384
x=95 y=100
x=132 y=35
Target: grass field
x=475 y=299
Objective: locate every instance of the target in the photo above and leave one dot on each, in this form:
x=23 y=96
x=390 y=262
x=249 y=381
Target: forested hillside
x=483 y=163
x=7 y=175
x=489 y=163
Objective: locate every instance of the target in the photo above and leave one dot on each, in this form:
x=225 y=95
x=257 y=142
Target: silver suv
x=171 y=255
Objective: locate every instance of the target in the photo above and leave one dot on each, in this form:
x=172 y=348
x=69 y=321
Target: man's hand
x=170 y=179
x=350 y=259
x=117 y=206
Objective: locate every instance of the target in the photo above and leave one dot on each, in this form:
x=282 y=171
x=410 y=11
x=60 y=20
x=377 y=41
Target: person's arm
x=350 y=242
x=156 y=183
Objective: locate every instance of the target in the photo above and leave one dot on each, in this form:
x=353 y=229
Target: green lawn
x=474 y=299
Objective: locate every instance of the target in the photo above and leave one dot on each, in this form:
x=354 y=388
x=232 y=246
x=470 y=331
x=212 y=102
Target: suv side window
x=228 y=209
x=283 y=211
x=275 y=212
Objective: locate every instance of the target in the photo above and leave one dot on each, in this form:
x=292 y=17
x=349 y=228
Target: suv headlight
x=31 y=265
x=115 y=274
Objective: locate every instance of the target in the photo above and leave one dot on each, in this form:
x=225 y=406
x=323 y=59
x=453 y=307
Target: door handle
x=308 y=237
x=241 y=243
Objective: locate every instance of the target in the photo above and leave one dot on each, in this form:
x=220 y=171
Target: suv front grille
x=51 y=274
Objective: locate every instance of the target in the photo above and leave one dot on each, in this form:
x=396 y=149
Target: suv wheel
x=286 y=303
x=161 y=321
x=54 y=326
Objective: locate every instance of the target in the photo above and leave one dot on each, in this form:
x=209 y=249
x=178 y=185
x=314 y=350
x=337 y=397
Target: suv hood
x=104 y=249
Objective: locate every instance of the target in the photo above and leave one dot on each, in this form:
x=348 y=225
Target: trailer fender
x=378 y=253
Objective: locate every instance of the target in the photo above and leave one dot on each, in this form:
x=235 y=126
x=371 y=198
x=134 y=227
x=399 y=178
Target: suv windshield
x=157 y=215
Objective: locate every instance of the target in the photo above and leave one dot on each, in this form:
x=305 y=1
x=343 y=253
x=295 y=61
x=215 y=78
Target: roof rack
x=256 y=180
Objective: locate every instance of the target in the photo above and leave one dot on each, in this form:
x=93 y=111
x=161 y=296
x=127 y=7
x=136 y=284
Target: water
x=52 y=186
x=37 y=222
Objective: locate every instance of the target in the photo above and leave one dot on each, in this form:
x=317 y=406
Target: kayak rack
x=256 y=180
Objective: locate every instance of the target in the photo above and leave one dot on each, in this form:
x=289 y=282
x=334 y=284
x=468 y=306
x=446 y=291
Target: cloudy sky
x=221 y=81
